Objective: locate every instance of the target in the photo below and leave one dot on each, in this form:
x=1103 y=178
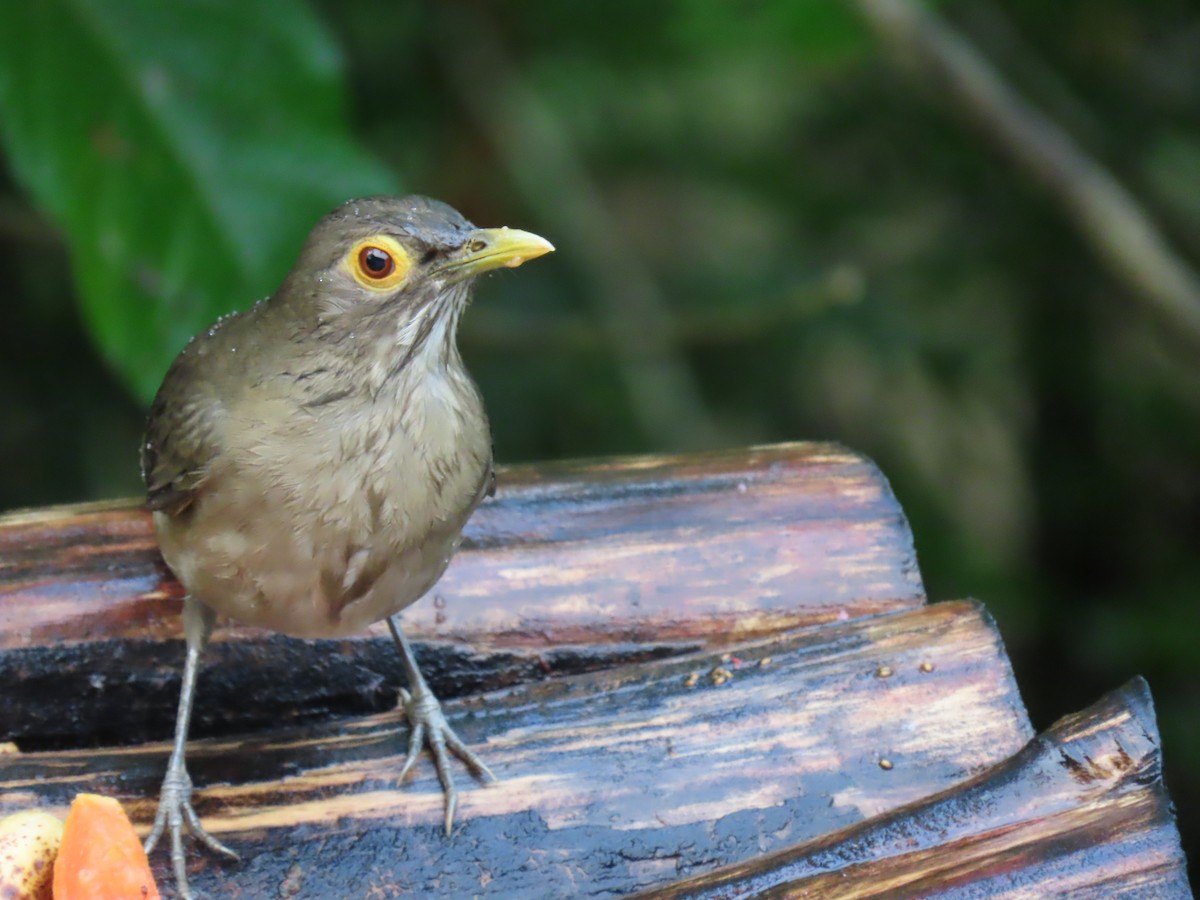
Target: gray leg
x=175 y=803
x=429 y=725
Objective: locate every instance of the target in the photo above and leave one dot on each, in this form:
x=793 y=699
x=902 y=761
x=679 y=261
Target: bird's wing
x=183 y=432
x=489 y=480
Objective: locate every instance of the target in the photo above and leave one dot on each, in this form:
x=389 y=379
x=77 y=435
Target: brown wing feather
x=184 y=426
x=180 y=442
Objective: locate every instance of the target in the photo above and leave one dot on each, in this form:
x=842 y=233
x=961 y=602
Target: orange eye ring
x=378 y=262
x=375 y=263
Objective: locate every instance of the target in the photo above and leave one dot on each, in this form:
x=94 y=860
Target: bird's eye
x=378 y=262
x=375 y=262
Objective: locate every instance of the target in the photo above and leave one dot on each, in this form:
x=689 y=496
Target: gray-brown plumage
x=311 y=462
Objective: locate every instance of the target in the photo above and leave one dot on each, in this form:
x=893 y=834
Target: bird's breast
x=323 y=520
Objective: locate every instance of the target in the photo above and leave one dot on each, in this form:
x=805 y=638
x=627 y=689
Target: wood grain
x=572 y=567
x=713 y=546
x=610 y=781
x=1081 y=811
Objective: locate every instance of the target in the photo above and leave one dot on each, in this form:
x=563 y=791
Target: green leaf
x=185 y=149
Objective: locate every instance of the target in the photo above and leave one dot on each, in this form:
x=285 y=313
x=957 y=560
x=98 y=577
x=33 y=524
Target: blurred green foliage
x=766 y=232
x=183 y=166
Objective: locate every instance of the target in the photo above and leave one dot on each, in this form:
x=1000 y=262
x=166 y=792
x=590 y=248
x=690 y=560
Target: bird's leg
x=175 y=803
x=429 y=725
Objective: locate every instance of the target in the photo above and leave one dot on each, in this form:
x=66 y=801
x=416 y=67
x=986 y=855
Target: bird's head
x=396 y=268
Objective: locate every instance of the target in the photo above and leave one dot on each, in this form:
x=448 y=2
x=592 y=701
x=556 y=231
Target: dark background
x=773 y=224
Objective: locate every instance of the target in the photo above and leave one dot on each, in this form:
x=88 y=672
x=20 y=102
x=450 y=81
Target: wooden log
x=1081 y=811
x=572 y=567
x=609 y=781
x=726 y=545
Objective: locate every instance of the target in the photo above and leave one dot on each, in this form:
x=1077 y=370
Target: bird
x=310 y=462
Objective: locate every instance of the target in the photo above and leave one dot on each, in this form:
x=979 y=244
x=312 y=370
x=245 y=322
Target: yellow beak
x=491 y=248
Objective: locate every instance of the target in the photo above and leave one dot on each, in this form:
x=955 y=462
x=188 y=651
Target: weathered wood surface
x=609 y=782
x=696 y=746
x=1081 y=812
x=572 y=567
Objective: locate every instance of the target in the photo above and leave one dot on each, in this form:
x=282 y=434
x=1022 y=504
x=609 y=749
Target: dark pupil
x=376 y=261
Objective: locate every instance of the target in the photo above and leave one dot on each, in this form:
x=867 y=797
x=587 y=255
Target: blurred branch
x=554 y=182
x=1010 y=48
x=1120 y=231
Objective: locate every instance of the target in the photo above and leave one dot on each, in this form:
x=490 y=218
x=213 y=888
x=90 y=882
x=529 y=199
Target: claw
x=429 y=727
x=416 y=739
x=175 y=813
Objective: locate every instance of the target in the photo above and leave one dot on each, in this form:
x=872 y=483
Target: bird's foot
x=175 y=812
x=429 y=726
